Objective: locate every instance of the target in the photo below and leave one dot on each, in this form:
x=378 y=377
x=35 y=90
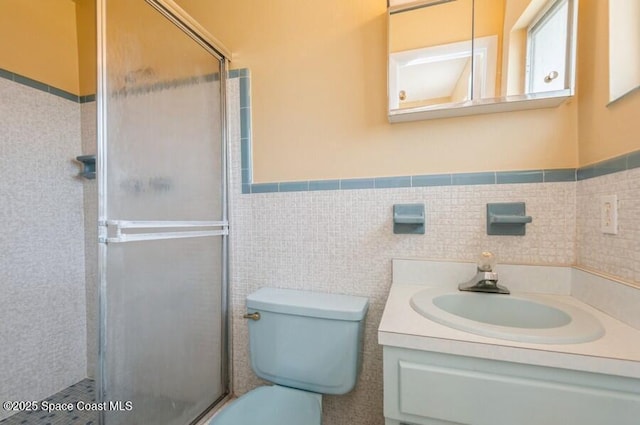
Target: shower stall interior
x=114 y=290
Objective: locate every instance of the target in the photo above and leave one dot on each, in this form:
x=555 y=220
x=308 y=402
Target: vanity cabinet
x=428 y=388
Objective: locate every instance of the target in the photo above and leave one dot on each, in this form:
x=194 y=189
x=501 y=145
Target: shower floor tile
x=81 y=391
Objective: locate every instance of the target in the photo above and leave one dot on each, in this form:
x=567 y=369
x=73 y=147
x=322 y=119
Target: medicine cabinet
x=462 y=57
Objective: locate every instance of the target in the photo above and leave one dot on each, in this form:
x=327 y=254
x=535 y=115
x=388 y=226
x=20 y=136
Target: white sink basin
x=523 y=318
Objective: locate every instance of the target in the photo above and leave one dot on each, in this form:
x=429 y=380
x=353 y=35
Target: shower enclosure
x=162 y=215
x=140 y=305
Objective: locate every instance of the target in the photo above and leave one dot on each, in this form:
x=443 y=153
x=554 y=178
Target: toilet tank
x=307 y=340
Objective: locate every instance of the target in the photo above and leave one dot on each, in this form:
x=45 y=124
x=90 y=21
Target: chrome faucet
x=485 y=280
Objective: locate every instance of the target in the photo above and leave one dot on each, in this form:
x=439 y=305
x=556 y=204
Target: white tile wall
x=89 y=140
x=42 y=313
x=616 y=255
x=617 y=299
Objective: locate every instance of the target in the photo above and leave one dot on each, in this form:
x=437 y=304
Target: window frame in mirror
x=536 y=25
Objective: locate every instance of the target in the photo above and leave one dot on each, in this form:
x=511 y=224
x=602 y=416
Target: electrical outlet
x=609 y=214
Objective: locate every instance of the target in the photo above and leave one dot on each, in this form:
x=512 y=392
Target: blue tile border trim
x=621 y=163
x=264 y=187
x=6 y=74
x=432 y=180
x=464 y=179
x=246 y=159
x=88 y=98
x=510 y=177
x=236 y=73
x=609 y=166
x=324 y=185
x=293 y=187
x=35 y=84
x=560 y=175
x=633 y=160
x=391 y=182
x=460 y=179
x=348 y=184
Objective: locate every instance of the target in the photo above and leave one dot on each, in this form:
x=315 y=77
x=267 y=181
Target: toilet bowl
x=273 y=405
x=307 y=344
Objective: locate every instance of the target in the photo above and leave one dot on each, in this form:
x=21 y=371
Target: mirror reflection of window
x=430 y=54
x=547 y=55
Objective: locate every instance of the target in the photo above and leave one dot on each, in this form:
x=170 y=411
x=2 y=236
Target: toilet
x=307 y=344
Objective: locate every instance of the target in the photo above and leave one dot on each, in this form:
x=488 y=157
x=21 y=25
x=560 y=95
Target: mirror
x=463 y=57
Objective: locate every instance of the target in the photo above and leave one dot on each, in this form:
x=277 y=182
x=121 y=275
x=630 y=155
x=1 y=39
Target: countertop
x=616 y=353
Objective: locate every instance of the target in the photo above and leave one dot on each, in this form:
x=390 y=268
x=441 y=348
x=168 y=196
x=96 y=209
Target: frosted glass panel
x=163 y=119
x=163 y=350
x=163 y=345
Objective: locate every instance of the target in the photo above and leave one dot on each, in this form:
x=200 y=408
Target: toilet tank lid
x=307 y=303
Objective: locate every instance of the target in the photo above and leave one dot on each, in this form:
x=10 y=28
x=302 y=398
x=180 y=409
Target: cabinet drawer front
x=479 y=398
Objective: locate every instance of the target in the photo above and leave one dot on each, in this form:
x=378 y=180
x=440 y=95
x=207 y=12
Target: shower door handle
x=119 y=231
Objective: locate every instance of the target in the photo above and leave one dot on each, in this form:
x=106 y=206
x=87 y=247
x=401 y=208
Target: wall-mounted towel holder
x=507 y=219
x=88 y=166
x=408 y=219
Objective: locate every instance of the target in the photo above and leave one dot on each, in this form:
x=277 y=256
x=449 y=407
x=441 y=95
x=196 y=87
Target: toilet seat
x=272 y=405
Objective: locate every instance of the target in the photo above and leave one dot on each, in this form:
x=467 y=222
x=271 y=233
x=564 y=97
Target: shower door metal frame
x=176 y=15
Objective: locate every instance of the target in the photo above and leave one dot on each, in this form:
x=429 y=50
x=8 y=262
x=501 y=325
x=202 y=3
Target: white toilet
x=308 y=344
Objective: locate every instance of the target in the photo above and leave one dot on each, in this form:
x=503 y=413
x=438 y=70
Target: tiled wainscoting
x=42 y=285
x=616 y=255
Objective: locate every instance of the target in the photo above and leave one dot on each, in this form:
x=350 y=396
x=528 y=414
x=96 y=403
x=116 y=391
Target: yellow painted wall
x=320 y=99
x=38 y=40
x=604 y=131
x=86 y=28
x=319 y=91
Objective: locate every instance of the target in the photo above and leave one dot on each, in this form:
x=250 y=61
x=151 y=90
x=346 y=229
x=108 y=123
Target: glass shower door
x=163 y=224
